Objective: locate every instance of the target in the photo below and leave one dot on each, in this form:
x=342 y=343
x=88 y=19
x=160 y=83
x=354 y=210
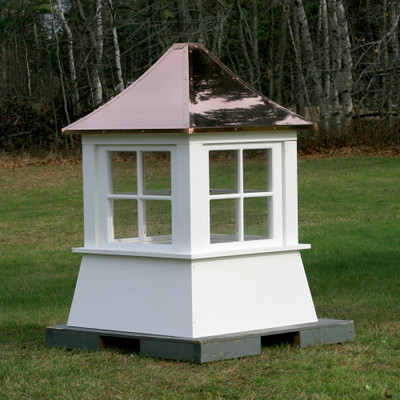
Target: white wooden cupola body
x=190 y=206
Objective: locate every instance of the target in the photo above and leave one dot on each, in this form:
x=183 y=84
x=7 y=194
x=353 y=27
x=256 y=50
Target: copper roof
x=188 y=90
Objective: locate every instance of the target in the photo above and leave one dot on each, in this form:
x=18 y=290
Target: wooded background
x=336 y=62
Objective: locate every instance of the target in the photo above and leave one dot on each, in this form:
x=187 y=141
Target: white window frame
x=106 y=196
x=274 y=193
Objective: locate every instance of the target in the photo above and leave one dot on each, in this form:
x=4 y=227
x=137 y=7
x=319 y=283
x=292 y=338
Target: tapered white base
x=191 y=298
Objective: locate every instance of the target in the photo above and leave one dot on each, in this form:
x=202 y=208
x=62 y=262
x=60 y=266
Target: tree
x=93 y=29
x=71 y=58
x=117 y=52
x=334 y=61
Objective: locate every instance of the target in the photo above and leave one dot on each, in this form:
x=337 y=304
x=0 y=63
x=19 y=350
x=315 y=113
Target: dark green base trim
x=200 y=350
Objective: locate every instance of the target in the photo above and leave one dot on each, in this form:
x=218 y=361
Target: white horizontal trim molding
x=193 y=256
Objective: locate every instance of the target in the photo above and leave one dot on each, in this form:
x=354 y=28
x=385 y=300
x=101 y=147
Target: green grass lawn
x=349 y=211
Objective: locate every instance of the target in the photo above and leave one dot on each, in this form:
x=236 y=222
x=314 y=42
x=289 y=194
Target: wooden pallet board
x=201 y=350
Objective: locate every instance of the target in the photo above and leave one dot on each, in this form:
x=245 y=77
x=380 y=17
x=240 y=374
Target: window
x=240 y=194
x=140 y=197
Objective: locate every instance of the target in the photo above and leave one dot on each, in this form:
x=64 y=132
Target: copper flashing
x=189 y=131
x=188 y=91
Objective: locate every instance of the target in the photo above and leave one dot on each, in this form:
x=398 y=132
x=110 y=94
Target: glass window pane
x=222 y=166
x=256 y=218
x=124 y=171
x=125 y=220
x=158 y=221
x=223 y=225
x=157 y=172
x=255 y=170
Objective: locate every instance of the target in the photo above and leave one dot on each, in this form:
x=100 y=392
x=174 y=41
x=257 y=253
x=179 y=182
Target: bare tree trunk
x=281 y=59
x=390 y=50
x=184 y=19
x=330 y=45
x=315 y=73
x=248 y=35
x=394 y=13
x=61 y=70
x=395 y=48
x=382 y=48
x=202 y=29
x=117 y=53
x=89 y=79
x=242 y=21
x=347 y=79
x=254 y=44
x=71 y=59
x=302 y=90
x=94 y=66
x=28 y=71
x=336 y=51
x=99 y=52
x=271 y=68
x=3 y=80
x=99 y=28
x=223 y=13
x=326 y=73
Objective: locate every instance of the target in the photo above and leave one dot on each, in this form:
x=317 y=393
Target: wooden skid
x=201 y=350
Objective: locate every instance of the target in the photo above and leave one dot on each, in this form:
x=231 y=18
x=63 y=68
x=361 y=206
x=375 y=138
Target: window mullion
x=110 y=202
x=141 y=203
x=239 y=201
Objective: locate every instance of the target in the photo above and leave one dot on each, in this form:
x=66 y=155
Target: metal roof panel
x=188 y=90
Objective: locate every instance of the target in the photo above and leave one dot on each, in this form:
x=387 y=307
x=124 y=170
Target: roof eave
x=193 y=130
